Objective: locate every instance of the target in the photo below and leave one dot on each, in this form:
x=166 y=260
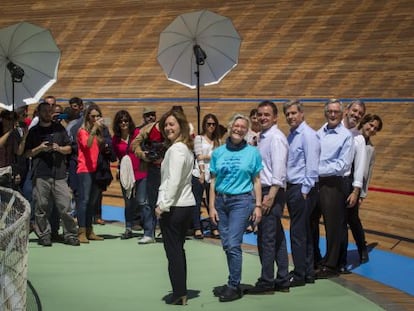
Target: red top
x=155 y=135
x=120 y=148
x=87 y=157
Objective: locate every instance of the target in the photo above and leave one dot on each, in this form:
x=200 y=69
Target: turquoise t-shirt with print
x=235 y=170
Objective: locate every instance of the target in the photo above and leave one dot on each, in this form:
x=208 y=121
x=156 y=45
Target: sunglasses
x=123 y=121
x=211 y=124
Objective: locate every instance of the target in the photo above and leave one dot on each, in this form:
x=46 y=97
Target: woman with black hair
x=133 y=180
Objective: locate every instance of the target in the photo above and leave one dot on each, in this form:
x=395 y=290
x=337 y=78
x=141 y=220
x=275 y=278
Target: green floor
x=122 y=275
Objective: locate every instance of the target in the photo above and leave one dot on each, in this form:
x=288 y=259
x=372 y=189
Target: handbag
x=103 y=174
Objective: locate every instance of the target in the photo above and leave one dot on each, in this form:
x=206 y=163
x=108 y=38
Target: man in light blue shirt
x=337 y=149
x=301 y=191
x=271 y=241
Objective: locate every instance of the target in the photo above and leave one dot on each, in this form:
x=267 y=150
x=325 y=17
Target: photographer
x=48 y=144
x=149 y=146
x=59 y=115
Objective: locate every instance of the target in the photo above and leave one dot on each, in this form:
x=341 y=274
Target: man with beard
x=47 y=143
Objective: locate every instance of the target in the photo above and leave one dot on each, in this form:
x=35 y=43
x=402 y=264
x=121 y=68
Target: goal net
x=14 y=232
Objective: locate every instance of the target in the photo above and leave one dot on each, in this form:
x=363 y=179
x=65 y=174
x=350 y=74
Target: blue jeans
x=139 y=201
x=90 y=194
x=234 y=212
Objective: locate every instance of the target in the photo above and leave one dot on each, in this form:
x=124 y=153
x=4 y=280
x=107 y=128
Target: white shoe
x=146 y=240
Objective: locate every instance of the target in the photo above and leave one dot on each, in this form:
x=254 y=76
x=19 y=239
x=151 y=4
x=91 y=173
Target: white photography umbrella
x=29 y=60
x=198 y=49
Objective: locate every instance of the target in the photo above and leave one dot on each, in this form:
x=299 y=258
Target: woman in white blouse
x=369 y=126
x=176 y=201
x=204 y=144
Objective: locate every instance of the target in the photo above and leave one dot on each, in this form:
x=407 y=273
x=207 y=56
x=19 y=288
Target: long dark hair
x=216 y=134
x=120 y=115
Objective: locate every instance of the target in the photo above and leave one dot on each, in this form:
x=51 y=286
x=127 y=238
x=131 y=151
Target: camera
x=153 y=150
x=61 y=116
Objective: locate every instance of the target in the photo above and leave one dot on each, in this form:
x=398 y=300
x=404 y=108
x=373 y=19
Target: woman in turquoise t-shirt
x=234 y=169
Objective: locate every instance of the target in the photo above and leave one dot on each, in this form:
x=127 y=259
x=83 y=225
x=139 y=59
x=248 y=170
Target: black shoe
x=363 y=256
x=296 y=283
x=344 y=270
x=174 y=300
x=215 y=234
x=326 y=273
x=309 y=279
x=218 y=290
x=230 y=294
x=57 y=238
x=127 y=234
x=198 y=234
x=72 y=241
x=282 y=289
x=260 y=290
x=46 y=241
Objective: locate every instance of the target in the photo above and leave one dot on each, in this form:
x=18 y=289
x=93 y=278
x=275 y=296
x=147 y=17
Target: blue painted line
x=232 y=100
x=384 y=267
x=113 y=213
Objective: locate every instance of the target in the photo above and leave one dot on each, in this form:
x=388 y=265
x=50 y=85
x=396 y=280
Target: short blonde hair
x=236 y=117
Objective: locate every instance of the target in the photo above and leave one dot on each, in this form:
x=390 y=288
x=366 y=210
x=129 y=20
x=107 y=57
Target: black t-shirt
x=49 y=163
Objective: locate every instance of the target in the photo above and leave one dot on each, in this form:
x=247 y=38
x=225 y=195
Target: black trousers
x=354 y=222
x=174 y=226
x=332 y=204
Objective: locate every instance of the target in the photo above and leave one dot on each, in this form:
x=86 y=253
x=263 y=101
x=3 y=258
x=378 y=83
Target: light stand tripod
x=200 y=56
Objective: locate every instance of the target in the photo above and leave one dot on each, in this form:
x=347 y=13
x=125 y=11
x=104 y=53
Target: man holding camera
x=48 y=144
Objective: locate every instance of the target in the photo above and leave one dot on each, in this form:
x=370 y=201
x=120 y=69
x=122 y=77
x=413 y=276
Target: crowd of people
x=245 y=175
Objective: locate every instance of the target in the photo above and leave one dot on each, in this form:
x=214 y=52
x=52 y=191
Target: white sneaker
x=146 y=240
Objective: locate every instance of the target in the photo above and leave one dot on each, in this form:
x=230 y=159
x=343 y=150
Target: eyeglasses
x=123 y=121
x=95 y=115
x=333 y=111
x=211 y=124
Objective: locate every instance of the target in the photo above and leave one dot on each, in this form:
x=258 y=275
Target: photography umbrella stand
x=200 y=57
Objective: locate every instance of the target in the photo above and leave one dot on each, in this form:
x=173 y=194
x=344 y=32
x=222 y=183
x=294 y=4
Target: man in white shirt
x=353 y=184
x=271 y=241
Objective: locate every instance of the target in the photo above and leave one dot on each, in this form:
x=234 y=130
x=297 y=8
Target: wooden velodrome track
x=312 y=50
